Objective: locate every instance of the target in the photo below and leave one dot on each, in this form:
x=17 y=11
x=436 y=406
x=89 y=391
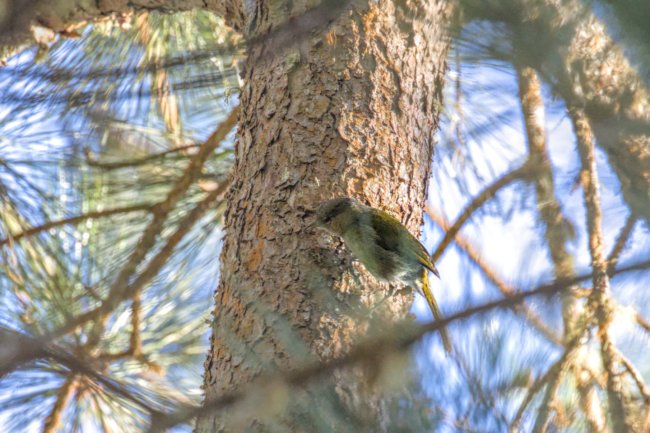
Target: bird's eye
x=328 y=218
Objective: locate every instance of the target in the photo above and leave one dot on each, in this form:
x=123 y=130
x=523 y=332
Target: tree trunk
x=352 y=112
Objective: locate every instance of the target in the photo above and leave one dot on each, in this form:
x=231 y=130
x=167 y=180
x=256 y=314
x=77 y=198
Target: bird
x=383 y=245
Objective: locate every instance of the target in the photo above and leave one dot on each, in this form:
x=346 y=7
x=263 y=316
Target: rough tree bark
x=352 y=112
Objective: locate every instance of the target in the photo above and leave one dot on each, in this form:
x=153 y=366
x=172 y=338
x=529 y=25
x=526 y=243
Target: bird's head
x=333 y=215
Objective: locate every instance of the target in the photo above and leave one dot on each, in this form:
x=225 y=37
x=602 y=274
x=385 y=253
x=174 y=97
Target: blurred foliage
x=94 y=135
x=96 y=132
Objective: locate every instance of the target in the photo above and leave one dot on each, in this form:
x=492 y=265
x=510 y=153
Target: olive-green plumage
x=383 y=245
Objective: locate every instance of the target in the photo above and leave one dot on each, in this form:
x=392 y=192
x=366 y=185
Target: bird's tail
x=426 y=291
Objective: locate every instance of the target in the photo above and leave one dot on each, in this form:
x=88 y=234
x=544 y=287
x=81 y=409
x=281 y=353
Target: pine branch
x=558 y=231
x=184 y=227
x=551 y=379
x=600 y=269
x=152 y=269
x=495 y=279
x=160 y=259
x=120 y=289
x=22 y=349
x=485 y=398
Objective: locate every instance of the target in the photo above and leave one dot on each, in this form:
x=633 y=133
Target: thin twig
x=109 y=166
x=487 y=193
x=636 y=376
x=477 y=388
x=642 y=322
x=135 y=342
x=75 y=220
x=551 y=377
x=621 y=240
x=543 y=415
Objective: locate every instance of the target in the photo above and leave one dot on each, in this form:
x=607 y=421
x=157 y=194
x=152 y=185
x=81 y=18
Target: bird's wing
x=389 y=227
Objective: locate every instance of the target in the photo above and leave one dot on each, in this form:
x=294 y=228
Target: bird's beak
x=314 y=225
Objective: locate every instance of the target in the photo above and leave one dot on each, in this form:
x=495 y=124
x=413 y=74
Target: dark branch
x=21 y=348
x=400 y=338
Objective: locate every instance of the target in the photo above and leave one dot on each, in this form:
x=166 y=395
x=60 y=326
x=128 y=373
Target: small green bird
x=385 y=247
